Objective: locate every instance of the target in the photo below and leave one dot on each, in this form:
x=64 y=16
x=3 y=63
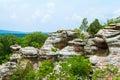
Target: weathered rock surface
x=19 y=59
x=29 y=52
x=7 y=69
x=15 y=57
x=103 y=49
x=67 y=51
x=15 y=47
x=111 y=36
x=61 y=40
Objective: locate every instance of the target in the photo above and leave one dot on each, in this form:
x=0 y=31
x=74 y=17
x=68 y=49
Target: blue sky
x=51 y=15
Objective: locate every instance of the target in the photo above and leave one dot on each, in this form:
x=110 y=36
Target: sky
x=52 y=15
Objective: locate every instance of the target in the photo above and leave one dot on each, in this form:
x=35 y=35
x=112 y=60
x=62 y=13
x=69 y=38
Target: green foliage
x=79 y=32
x=26 y=73
x=45 y=69
x=5 y=42
x=84 y=25
x=117 y=77
x=99 y=74
x=54 y=49
x=94 y=27
x=111 y=70
x=114 y=20
x=77 y=66
x=72 y=69
x=35 y=39
x=83 y=28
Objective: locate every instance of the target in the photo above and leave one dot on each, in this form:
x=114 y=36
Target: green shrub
x=79 y=32
x=26 y=73
x=45 y=69
x=112 y=21
x=111 y=70
x=5 y=51
x=35 y=39
x=54 y=49
x=77 y=66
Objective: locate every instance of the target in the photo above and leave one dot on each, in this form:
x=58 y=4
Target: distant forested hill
x=16 y=33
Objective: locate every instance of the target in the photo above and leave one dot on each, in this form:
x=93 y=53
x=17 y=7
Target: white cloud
x=46 y=18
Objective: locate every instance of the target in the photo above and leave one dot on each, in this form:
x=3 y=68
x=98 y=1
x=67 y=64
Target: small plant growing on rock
x=54 y=49
x=109 y=73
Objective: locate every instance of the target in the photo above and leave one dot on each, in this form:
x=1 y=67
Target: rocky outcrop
x=15 y=48
x=61 y=44
x=61 y=38
x=103 y=49
x=96 y=45
x=15 y=57
x=19 y=58
x=111 y=36
x=6 y=70
x=28 y=52
x=64 y=41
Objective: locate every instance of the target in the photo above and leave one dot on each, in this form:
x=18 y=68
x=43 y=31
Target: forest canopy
x=35 y=39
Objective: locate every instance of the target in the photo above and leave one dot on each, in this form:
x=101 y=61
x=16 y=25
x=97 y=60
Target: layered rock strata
x=111 y=36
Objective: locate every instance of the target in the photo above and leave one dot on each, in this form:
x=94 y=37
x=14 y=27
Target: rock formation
x=111 y=36
x=28 y=52
x=19 y=58
x=103 y=49
x=15 y=48
x=6 y=70
x=66 y=42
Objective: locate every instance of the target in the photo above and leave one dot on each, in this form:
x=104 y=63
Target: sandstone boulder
x=15 y=47
x=15 y=57
x=7 y=69
x=29 y=52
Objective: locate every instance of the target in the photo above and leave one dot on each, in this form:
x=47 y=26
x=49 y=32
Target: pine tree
x=84 y=25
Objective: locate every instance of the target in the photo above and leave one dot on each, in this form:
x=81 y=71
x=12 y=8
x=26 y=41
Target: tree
x=84 y=25
x=112 y=21
x=5 y=51
x=79 y=32
x=35 y=39
x=94 y=27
